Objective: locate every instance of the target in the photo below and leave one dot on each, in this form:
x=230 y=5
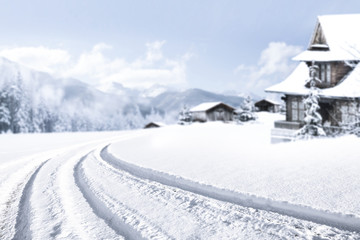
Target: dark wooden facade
x=218 y=112
x=153 y=125
x=334 y=111
x=267 y=106
x=337 y=71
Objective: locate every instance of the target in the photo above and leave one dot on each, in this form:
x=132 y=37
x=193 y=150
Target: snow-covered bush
x=246 y=112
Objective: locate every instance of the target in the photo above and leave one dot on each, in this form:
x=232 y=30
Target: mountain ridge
x=68 y=104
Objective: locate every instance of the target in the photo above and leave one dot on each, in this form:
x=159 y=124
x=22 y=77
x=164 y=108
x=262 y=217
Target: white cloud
x=154 y=51
x=97 y=68
x=145 y=71
x=38 y=58
x=274 y=65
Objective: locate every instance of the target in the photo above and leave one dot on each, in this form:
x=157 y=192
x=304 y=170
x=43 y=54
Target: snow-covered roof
x=270 y=101
x=324 y=56
x=206 y=106
x=159 y=124
x=295 y=84
x=340 y=34
x=342 y=38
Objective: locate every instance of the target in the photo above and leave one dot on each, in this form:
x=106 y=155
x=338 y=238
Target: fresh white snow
x=321 y=174
x=204 y=106
x=203 y=181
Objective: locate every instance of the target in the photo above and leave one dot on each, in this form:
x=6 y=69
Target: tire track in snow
x=122 y=219
x=22 y=226
x=210 y=218
x=16 y=174
x=14 y=190
x=217 y=219
x=337 y=220
x=58 y=207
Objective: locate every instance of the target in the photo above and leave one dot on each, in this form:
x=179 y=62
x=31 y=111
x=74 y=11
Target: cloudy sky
x=230 y=45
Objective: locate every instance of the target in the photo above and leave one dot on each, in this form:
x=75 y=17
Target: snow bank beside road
x=320 y=174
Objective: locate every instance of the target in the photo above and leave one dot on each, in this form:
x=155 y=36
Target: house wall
x=198 y=116
x=267 y=106
x=294 y=108
x=219 y=113
x=347 y=111
x=337 y=72
x=335 y=112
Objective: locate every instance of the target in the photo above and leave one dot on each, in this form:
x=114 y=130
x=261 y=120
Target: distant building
x=154 y=125
x=335 y=50
x=267 y=105
x=212 y=111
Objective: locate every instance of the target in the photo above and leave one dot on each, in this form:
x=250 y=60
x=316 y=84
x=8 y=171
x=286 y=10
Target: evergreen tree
x=4 y=117
x=313 y=120
x=11 y=99
x=15 y=100
x=246 y=113
x=184 y=116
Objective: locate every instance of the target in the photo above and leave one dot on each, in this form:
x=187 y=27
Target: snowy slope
x=316 y=176
x=68 y=186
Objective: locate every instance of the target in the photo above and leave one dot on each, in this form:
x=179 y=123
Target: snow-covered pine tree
x=184 y=116
x=246 y=113
x=4 y=116
x=22 y=116
x=133 y=118
x=15 y=107
x=11 y=95
x=313 y=120
x=154 y=116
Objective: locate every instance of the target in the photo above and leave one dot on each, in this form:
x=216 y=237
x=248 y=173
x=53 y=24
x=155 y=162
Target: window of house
x=294 y=110
x=297 y=109
x=324 y=72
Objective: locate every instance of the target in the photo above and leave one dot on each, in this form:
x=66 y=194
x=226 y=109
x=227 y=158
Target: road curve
x=77 y=193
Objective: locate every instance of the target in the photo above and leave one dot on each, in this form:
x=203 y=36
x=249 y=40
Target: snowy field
x=202 y=181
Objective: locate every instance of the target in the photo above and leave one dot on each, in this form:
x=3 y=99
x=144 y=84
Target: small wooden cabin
x=267 y=105
x=212 y=111
x=335 y=49
x=154 y=125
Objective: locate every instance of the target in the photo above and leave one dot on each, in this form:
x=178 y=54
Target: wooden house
x=212 y=111
x=154 y=125
x=267 y=105
x=335 y=49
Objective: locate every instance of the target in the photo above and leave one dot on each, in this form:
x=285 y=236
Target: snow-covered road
x=77 y=192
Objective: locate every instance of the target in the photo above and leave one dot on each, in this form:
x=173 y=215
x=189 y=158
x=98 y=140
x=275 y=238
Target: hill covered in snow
x=201 y=181
x=33 y=101
x=173 y=101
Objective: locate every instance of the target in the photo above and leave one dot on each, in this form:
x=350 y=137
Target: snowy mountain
x=33 y=101
x=174 y=101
